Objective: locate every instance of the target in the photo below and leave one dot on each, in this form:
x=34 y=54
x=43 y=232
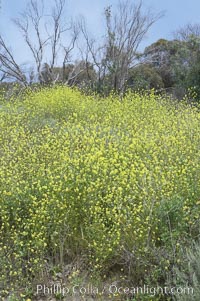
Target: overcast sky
x=177 y=14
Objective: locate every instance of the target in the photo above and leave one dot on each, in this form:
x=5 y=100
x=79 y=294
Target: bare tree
x=8 y=65
x=188 y=31
x=67 y=50
x=32 y=21
x=43 y=34
x=93 y=53
x=112 y=57
x=3 y=75
x=58 y=29
x=125 y=30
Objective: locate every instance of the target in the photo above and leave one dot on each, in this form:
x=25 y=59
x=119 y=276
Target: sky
x=177 y=13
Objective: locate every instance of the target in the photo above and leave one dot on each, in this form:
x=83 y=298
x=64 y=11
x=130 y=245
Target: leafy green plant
x=188 y=275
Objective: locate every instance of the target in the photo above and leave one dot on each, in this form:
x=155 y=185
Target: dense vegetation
x=111 y=184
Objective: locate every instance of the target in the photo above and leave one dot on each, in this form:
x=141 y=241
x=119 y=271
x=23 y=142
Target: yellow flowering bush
x=112 y=181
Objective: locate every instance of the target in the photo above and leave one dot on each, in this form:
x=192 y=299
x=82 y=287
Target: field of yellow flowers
x=113 y=183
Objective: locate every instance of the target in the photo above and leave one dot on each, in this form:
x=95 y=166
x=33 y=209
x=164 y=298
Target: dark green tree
x=177 y=62
x=145 y=76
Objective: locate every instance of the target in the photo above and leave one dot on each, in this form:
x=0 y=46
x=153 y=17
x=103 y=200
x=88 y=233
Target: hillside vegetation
x=113 y=185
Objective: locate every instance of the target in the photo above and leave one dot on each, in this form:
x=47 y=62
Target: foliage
x=189 y=273
x=145 y=77
x=177 y=62
x=163 y=55
x=113 y=182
